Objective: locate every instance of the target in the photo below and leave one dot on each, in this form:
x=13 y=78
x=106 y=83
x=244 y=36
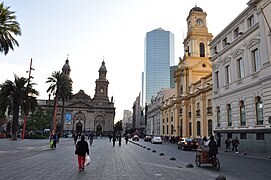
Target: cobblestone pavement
x=30 y=159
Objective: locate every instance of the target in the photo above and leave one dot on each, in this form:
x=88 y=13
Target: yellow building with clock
x=192 y=104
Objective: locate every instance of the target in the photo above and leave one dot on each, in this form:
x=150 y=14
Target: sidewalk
x=247 y=153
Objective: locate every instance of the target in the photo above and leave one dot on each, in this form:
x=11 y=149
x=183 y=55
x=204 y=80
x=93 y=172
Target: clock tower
x=196 y=60
x=101 y=90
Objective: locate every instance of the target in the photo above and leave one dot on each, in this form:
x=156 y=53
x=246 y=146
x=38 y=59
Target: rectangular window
x=229 y=135
x=163 y=129
x=216 y=79
x=236 y=33
x=250 y=21
x=215 y=50
x=229 y=117
x=260 y=136
x=224 y=42
x=242 y=115
x=181 y=111
x=255 y=60
x=243 y=135
x=228 y=75
x=218 y=118
x=240 y=68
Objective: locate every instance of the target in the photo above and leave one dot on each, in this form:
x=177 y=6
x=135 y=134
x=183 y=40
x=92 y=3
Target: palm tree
x=61 y=88
x=8 y=28
x=15 y=96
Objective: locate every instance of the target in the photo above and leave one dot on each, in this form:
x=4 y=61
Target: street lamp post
x=29 y=77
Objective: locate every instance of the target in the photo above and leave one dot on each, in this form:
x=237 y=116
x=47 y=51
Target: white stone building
x=241 y=60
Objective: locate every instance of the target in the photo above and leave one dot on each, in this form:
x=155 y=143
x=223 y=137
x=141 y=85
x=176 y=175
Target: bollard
x=172 y=158
x=161 y=154
x=220 y=177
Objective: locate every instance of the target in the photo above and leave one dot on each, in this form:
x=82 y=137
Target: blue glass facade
x=159 y=56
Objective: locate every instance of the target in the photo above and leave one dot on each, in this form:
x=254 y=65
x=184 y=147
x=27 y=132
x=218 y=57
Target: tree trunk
x=15 y=120
x=53 y=114
x=62 y=116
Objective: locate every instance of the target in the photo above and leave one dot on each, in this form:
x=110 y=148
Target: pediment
x=226 y=60
x=80 y=104
x=238 y=52
x=253 y=42
x=202 y=66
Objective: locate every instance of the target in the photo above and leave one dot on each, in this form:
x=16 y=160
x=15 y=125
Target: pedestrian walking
x=236 y=144
x=74 y=137
x=90 y=139
x=114 y=139
x=53 y=140
x=126 y=139
x=228 y=144
x=81 y=151
x=204 y=139
x=110 y=137
x=119 y=139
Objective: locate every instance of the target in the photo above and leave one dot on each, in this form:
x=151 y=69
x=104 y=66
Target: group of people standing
x=234 y=142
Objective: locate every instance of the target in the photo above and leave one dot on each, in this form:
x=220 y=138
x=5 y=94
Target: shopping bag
x=87 y=160
x=51 y=143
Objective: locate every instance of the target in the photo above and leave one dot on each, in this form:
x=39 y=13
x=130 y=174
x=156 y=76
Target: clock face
x=101 y=90
x=199 y=21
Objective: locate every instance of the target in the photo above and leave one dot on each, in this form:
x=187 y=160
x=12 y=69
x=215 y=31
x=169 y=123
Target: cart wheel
x=198 y=160
x=216 y=164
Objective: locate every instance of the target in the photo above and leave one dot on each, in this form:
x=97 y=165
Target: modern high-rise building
x=159 y=56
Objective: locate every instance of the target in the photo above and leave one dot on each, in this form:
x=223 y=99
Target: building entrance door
x=99 y=129
x=79 y=128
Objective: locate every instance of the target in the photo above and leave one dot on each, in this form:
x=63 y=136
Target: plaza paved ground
x=32 y=159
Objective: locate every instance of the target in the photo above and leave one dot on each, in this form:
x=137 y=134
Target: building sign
x=68 y=118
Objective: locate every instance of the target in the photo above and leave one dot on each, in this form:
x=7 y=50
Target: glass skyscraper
x=159 y=56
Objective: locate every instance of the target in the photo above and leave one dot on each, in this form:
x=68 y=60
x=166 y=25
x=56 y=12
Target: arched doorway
x=99 y=129
x=79 y=127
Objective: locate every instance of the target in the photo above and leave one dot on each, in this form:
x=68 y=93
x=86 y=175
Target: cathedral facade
x=84 y=114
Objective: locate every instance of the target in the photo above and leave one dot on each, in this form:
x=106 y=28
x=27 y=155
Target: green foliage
x=118 y=126
x=38 y=121
x=8 y=28
x=16 y=96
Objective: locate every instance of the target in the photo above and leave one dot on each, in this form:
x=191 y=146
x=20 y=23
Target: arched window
x=259 y=110
x=190 y=129
x=198 y=128
x=242 y=113
x=210 y=127
x=229 y=115
x=202 y=50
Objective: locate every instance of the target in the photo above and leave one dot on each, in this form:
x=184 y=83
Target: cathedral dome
x=196 y=9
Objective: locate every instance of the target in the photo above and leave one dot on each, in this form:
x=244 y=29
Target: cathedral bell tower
x=66 y=68
x=101 y=90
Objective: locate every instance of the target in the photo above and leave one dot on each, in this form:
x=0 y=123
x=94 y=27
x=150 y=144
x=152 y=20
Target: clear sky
x=89 y=30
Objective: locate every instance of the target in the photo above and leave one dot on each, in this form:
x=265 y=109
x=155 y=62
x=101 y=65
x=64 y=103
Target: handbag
x=87 y=160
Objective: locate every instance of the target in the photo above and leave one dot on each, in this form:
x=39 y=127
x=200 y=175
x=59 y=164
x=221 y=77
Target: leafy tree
x=38 y=121
x=118 y=126
x=15 y=96
x=8 y=28
x=61 y=88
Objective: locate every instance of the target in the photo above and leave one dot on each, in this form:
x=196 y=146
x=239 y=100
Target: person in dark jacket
x=81 y=151
x=213 y=150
